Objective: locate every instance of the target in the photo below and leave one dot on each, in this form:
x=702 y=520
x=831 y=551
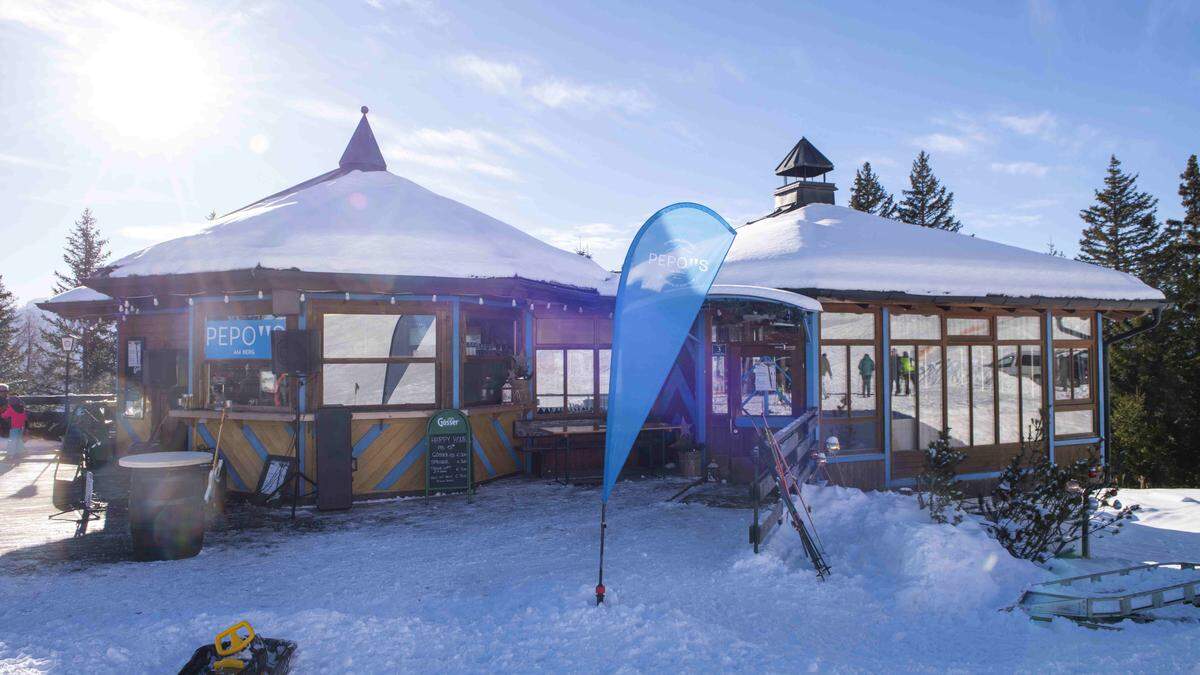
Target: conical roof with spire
x=362 y=152
x=804 y=161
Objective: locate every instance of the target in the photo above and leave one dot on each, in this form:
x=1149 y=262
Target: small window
x=1073 y=422
x=847 y=326
x=916 y=327
x=1019 y=327
x=1072 y=374
x=372 y=384
x=550 y=377
x=972 y=328
x=1072 y=327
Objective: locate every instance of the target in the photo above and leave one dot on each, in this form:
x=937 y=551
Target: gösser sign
x=240 y=338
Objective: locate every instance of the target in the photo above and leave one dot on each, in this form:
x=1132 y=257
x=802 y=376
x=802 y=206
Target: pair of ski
x=787 y=487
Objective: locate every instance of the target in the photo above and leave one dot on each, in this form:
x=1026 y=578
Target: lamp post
x=68 y=346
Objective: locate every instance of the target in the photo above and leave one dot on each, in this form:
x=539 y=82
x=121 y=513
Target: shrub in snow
x=1039 y=508
x=937 y=486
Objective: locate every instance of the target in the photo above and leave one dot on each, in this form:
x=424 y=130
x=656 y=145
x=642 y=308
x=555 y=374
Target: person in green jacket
x=866 y=368
x=908 y=371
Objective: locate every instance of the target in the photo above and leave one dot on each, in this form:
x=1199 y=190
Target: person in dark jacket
x=4 y=423
x=866 y=369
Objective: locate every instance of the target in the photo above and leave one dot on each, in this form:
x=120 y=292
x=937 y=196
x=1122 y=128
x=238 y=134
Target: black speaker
x=335 y=459
x=162 y=368
x=292 y=351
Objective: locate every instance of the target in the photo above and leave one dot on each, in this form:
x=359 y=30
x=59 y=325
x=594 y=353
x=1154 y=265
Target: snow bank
x=370 y=223
x=835 y=248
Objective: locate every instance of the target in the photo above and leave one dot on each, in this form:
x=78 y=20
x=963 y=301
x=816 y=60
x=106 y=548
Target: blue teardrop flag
x=668 y=271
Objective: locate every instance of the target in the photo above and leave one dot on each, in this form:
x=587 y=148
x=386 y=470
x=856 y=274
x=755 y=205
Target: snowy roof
x=365 y=222
x=834 y=248
x=77 y=294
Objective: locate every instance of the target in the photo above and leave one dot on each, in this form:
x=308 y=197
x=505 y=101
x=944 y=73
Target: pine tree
x=927 y=202
x=95 y=363
x=1122 y=226
x=9 y=326
x=31 y=353
x=868 y=195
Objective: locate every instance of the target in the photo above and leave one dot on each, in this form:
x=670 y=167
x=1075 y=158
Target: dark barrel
x=166 y=504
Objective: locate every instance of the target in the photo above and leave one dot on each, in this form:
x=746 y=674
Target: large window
x=1073 y=374
x=379 y=359
x=489 y=346
x=571 y=365
x=849 y=376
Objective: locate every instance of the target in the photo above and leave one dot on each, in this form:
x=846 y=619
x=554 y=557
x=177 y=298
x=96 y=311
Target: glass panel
x=929 y=394
x=766 y=385
x=378 y=383
x=579 y=404
x=565 y=331
x=855 y=437
x=865 y=381
x=349 y=336
x=968 y=327
x=958 y=402
x=1007 y=372
x=1072 y=327
x=1031 y=389
x=489 y=336
x=482 y=380
x=720 y=395
x=581 y=374
x=847 y=326
x=1073 y=422
x=916 y=327
x=1072 y=374
x=248 y=383
x=605 y=357
x=834 y=381
x=1019 y=327
x=548 y=380
x=904 y=402
x=983 y=396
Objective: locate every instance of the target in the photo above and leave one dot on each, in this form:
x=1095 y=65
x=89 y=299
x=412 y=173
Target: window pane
x=581 y=372
x=865 y=381
x=720 y=396
x=379 y=335
x=766 y=385
x=1072 y=327
x=1007 y=371
x=549 y=374
x=916 y=327
x=968 y=327
x=904 y=401
x=834 y=381
x=579 y=404
x=846 y=326
x=482 y=380
x=378 y=383
x=1031 y=389
x=248 y=383
x=490 y=336
x=983 y=396
x=1019 y=327
x=929 y=385
x=1072 y=374
x=958 y=404
x=605 y=356
x=1073 y=422
x=852 y=437
x=565 y=331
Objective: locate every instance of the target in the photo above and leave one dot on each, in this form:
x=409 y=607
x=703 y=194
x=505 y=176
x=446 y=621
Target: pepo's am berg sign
x=240 y=338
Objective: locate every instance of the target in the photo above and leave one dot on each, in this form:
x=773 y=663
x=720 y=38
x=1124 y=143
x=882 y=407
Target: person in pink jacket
x=16 y=416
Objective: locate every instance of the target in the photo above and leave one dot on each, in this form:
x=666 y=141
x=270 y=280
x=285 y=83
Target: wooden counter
x=253 y=416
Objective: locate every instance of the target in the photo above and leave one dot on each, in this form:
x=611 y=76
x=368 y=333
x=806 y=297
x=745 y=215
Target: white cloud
x=1020 y=168
x=942 y=143
x=1041 y=124
x=501 y=78
x=552 y=92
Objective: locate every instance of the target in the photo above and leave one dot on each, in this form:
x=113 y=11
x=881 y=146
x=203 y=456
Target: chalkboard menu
x=448 y=465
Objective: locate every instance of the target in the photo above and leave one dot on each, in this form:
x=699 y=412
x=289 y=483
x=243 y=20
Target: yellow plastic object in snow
x=230 y=664
x=231 y=640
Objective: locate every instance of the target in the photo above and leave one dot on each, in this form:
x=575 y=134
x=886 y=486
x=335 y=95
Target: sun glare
x=149 y=83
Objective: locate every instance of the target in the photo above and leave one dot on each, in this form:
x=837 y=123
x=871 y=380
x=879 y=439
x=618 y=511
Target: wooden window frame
x=876 y=343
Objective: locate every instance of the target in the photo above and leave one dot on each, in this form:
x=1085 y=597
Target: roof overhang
x=83 y=309
x=261 y=279
x=762 y=293
x=990 y=301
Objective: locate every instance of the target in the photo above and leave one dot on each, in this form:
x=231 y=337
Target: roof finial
x=365 y=110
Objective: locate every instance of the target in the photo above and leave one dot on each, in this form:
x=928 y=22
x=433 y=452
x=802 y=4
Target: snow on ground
x=505 y=584
x=829 y=247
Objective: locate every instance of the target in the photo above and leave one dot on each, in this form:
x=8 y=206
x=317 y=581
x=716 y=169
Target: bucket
x=166 y=504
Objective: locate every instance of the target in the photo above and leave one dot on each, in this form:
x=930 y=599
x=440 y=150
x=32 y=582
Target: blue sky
x=575 y=122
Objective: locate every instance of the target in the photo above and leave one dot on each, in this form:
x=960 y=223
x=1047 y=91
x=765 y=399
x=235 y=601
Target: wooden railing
x=797 y=441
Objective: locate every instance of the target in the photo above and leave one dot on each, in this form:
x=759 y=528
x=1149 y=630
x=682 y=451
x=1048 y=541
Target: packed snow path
x=505 y=584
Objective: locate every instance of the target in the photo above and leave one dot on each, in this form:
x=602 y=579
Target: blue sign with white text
x=668 y=271
x=240 y=338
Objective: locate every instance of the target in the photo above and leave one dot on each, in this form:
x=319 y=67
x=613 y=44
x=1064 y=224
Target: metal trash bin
x=166 y=503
